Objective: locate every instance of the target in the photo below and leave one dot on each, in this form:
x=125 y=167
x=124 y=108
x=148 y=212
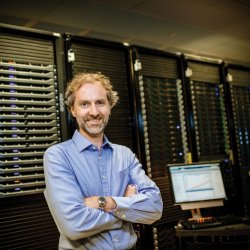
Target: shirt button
x=116 y=239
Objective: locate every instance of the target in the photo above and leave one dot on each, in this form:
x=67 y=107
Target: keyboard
x=209 y=222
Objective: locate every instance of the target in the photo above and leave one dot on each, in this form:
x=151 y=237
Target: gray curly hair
x=81 y=78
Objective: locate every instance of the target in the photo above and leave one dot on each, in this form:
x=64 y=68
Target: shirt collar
x=82 y=142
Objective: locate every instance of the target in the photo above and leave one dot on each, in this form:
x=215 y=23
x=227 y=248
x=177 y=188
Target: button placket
x=104 y=177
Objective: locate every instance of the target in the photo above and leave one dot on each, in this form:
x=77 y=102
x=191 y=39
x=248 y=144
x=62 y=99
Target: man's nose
x=93 y=110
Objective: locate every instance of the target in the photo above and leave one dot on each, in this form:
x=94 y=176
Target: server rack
x=163 y=128
x=209 y=120
x=238 y=86
x=209 y=116
x=30 y=122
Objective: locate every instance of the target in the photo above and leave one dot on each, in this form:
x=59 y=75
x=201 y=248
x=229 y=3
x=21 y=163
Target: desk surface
x=237 y=229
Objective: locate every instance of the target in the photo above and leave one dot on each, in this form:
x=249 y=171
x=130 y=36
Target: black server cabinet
x=209 y=120
x=208 y=112
x=164 y=131
x=238 y=85
x=30 y=122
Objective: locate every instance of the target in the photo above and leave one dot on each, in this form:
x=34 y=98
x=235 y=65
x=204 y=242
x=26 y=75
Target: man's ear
x=72 y=112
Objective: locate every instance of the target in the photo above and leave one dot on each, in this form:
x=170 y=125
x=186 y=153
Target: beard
x=93 y=127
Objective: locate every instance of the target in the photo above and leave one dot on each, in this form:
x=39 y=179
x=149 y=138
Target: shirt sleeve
x=65 y=200
x=145 y=206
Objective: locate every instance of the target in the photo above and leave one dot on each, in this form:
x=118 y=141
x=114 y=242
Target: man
x=95 y=189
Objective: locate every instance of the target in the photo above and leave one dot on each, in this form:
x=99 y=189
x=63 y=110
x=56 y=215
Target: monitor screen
x=196 y=185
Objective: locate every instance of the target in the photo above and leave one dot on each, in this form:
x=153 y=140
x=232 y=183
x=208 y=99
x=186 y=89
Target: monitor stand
x=196 y=213
x=195 y=206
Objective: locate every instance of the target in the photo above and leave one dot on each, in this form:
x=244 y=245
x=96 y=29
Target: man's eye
x=84 y=104
x=100 y=103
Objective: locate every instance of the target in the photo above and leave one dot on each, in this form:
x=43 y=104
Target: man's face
x=91 y=109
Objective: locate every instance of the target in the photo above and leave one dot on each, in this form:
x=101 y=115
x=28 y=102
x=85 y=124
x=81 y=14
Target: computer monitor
x=197 y=185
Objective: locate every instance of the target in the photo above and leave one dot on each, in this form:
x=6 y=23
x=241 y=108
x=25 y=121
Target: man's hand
x=130 y=190
x=91 y=202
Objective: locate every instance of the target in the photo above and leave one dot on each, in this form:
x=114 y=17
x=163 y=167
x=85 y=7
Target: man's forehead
x=90 y=91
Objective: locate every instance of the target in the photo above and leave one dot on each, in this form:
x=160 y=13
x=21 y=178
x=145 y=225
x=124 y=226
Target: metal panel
x=27 y=224
x=29 y=121
x=240 y=96
x=29 y=124
x=209 y=114
x=163 y=114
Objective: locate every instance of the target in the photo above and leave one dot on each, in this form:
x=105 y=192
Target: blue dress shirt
x=75 y=169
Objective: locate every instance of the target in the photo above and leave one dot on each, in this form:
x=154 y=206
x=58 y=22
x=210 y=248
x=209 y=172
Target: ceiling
x=209 y=28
